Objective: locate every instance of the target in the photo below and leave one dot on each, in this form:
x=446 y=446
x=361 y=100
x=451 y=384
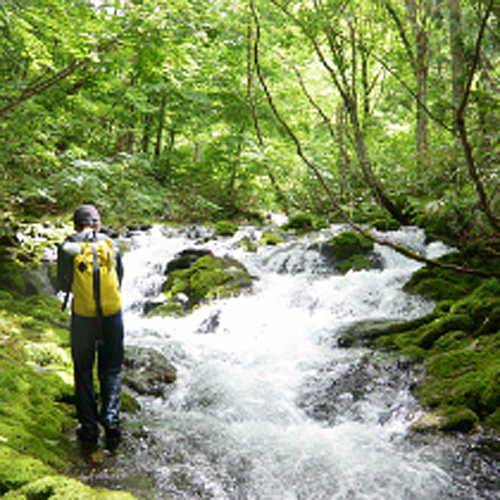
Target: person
x=95 y=331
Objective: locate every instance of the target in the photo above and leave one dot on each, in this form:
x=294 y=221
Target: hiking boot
x=113 y=432
x=87 y=437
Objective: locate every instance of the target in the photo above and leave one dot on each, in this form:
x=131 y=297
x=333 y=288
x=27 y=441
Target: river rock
x=197 y=276
x=339 y=392
x=363 y=333
x=350 y=251
x=186 y=258
x=147 y=371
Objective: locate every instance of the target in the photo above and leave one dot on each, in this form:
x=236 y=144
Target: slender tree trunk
x=280 y=197
x=365 y=163
x=457 y=53
x=344 y=184
x=161 y=125
x=421 y=71
x=419 y=12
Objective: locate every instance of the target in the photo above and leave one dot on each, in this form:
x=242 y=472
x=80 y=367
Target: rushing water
x=266 y=406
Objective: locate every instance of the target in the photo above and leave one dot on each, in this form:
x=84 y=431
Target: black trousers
x=87 y=338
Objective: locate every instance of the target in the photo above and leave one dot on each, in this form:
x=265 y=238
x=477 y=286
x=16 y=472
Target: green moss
x=247 y=244
x=355 y=263
x=349 y=243
x=443 y=284
x=209 y=277
x=225 y=228
x=459 y=419
x=414 y=352
x=436 y=289
x=36 y=398
x=17 y=469
x=269 y=238
x=493 y=420
x=63 y=488
x=302 y=222
x=437 y=328
x=452 y=364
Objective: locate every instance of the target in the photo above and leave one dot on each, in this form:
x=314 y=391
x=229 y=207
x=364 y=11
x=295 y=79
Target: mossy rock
x=225 y=228
x=484 y=310
x=186 y=258
x=386 y=224
x=350 y=251
x=415 y=353
x=247 y=244
x=301 y=222
x=269 y=238
x=347 y=244
x=355 y=263
x=431 y=332
x=459 y=419
x=435 y=289
x=208 y=278
x=444 y=284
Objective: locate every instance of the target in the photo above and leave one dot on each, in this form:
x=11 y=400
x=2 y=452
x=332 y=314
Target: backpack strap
x=97 y=287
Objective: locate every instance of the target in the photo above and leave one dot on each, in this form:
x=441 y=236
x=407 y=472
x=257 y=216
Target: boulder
x=197 y=276
x=147 y=371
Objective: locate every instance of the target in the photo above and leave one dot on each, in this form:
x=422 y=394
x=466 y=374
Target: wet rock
x=362 y=334
x=225 y=228
x=247 y=244
x=186 y=258
x=350 y=251
x=339 y=393
x=205 y=278
x=147 y=372
x=210 y=324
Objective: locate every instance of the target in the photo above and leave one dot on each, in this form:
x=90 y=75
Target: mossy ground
x=458 y=345
x=37 y=412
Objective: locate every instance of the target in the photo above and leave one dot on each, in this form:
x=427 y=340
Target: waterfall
x=266 y=406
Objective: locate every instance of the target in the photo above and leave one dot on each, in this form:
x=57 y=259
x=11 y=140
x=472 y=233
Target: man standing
x=90 y=266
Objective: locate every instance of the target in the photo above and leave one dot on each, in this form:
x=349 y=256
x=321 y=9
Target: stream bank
x=34 y=320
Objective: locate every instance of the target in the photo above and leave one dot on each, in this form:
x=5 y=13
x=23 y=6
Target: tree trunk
x=161 y=124
x=457 y=53
x=421 y=71
x=365 y=164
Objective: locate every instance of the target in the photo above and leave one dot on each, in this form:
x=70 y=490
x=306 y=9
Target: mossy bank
x=37 y=412
x=457 y=345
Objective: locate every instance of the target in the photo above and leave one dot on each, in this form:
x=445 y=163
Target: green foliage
x=149 y=110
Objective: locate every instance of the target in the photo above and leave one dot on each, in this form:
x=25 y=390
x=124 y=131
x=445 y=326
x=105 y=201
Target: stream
x=266 y=405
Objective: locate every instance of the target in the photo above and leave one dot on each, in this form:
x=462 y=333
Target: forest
x=370 y=113
x=374 y=111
